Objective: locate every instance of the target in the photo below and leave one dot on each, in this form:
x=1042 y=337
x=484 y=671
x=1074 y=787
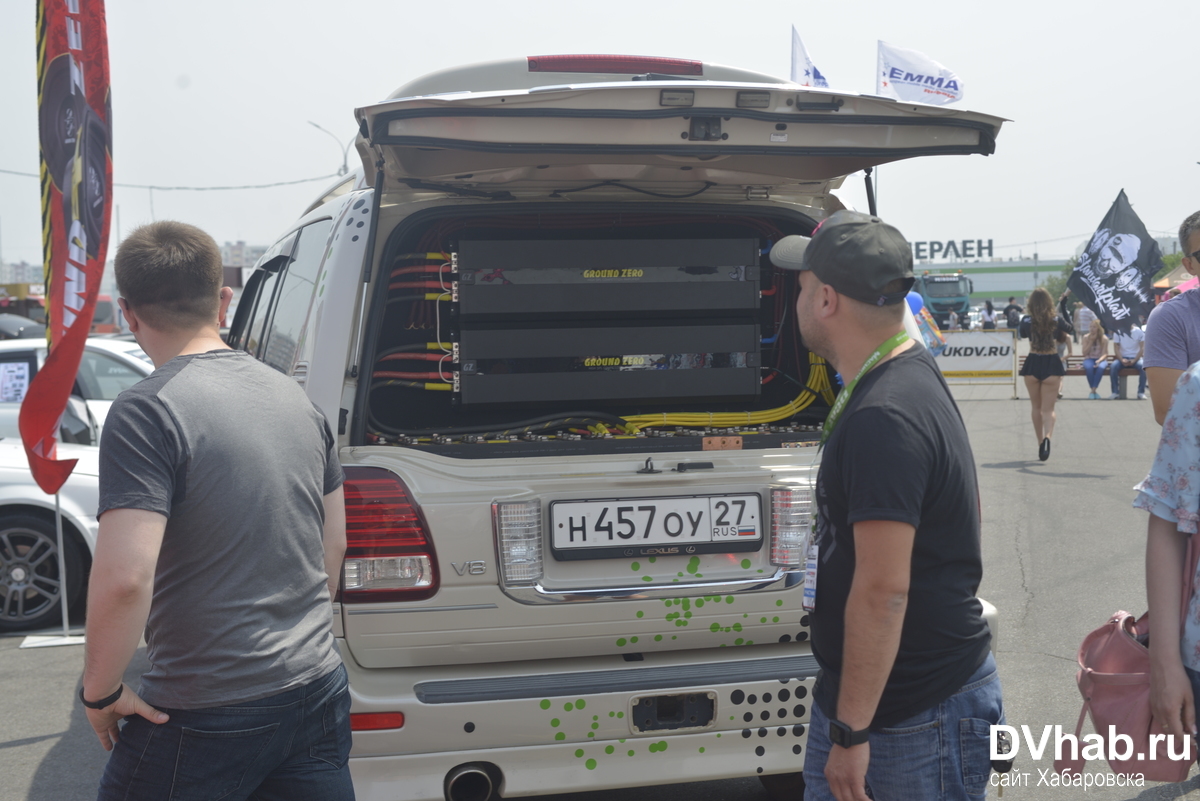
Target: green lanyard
x=839 y=405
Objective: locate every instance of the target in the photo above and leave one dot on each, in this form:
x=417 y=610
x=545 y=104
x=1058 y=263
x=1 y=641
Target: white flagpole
x=43 y=641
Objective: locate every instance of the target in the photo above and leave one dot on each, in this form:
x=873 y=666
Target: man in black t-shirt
x=1012 y=313
x=908 y=687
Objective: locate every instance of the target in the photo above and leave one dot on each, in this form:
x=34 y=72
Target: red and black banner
x=75 y=126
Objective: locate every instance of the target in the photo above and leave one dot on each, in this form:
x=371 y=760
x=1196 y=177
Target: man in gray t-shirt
x=222 y=528
x=1173 y=330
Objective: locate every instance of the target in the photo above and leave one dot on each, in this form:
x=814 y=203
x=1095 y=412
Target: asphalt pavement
x=1063 y=549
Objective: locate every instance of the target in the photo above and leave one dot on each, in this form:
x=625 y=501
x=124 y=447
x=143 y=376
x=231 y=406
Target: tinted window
x=101 y=377
x=294 y=297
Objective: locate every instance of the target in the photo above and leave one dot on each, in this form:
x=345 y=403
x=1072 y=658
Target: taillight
x=519 y=540
x=374 y=721
x=791 y=520
x=622 y=65
x=389 y=554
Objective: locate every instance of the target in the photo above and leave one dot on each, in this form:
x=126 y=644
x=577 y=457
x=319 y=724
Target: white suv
x=576 y=419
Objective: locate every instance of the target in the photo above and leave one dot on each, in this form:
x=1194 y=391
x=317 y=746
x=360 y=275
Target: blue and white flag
x=915 y=77
x=804 y=71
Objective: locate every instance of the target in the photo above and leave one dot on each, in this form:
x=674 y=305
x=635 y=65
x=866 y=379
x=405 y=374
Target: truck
x=944 y=293
x=578 y=425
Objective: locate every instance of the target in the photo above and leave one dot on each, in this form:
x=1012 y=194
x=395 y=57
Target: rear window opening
x=623 y=331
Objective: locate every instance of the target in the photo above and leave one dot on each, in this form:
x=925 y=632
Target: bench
x=1075 y=368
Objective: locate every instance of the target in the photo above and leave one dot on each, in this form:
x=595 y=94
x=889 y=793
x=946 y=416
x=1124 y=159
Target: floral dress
x=1172 y=489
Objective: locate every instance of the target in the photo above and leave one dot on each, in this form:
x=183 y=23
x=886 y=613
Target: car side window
x=254 y=305
x=101 y=377
x=293 y=298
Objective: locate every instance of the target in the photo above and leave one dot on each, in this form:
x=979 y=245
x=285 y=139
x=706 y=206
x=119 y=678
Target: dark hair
x=170 y=275
x=1190 y=226
x=1042 y=320
x=991 y=309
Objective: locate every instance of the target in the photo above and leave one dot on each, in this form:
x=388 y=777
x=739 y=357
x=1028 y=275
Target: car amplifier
x=664 y=363
x=606 y=279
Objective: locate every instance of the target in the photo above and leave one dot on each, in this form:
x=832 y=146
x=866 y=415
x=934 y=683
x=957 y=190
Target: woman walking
x=1043 y=369
x=1095 y=351
x=988 y=316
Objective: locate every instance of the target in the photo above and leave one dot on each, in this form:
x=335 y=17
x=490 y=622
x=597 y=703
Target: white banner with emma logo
x=978 y=354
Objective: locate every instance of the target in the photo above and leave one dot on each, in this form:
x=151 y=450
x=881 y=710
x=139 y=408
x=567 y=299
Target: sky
x=221 y=93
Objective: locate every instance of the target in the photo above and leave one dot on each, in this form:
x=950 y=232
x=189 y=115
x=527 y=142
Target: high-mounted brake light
x=389 y=554
x=374 y=721
x=791 y=519
x=519 y=540
x=621 y=65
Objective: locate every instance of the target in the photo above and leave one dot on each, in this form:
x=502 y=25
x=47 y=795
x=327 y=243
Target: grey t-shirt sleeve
x=1166 y=337
x=142 y=459
x=334 y=475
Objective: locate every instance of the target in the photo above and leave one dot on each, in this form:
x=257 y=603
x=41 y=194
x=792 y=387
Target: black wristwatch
x=103 y=702
x=843 y=735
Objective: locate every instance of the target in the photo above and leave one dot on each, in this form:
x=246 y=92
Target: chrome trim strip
x=420 y=609
x=629 y=680
x=538 y=594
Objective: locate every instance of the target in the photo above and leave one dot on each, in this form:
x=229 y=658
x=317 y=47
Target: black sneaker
x=1044 y=449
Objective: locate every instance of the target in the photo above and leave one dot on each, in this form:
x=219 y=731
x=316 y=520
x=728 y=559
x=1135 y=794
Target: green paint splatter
x=608 y=749
x=702 y=749
x=699 y=575
x=668 y=600
x=746 y=564
x=658 y=638
x=728 y=599
x=631 y=752
x=636 y=566
x=595 y=717
x=687 y=604
x=595 y=726
x=762 y=620
x=731 y=717
x=718 y=735
x=699 y=603
x=641 y=613
x=590 y=764
x=620 y=741
x=652 y=559
x=774 y=620
x=738 y=641
x=647 y=578
x=591 y=734
x=662 y=745
x=749 y=642
x=673 y=637
x=677 y=601
x=620 y=644
x=545 y=704
x=760 y=570
x=687 y=614
x=560 y=736
x=681 y=622
x=737 y=626
x=580 y=704
x=554 y=723
x=679 y=574
x=619 y=716
x=568 y=706
x=653 y=748
x=714 y=628
x=633 y=639
x=728 y=629
x=693 y=564
x=578 y=752
x=779 y=603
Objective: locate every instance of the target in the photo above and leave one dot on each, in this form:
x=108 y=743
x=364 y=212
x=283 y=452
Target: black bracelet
x=103 y=702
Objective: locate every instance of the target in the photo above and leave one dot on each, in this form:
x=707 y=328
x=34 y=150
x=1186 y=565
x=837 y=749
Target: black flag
x=1114 y=275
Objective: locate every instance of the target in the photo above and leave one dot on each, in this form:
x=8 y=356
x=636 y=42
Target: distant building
x=998 y=279
x=239 y=254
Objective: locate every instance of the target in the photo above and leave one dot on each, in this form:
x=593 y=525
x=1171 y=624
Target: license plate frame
x=660 y=544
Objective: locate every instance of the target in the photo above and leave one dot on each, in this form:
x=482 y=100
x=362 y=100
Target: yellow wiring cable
x=818 y=384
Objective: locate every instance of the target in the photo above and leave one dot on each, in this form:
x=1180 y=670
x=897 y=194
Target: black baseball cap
x=857 y=254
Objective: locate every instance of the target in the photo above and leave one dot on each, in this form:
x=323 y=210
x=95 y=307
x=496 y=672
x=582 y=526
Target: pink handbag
x=1114 y=680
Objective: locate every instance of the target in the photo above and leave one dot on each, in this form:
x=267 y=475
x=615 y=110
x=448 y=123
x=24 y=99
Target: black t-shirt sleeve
x=891 y=484
x=142 y=463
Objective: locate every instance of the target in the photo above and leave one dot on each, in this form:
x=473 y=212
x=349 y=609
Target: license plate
x=678 y=526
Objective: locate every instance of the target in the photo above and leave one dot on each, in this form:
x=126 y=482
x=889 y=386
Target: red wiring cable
x=420 y=357
x=415 y=285
x=391 y=374
x=431 y=269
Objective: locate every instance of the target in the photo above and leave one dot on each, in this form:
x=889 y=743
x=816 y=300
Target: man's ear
x=131 y=318
x=223 y=309
x=828 y=301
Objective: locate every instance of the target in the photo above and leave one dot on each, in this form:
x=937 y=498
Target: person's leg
x=1035 y=404
x=1050 y=388
x=1093 y=375
x=816 y=754
x=941 y=754
x=1141 y=378
x=1114 y=373
x=317 y=768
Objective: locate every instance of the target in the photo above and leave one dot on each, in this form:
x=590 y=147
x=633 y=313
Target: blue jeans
x=1094 y=371
x=938 y=755
x=294 y=746
x=1116 y=368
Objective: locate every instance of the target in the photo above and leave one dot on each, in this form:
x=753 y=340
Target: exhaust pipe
x=472 y=782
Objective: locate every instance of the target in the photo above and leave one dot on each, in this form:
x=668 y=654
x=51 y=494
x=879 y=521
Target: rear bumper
x=550 y=727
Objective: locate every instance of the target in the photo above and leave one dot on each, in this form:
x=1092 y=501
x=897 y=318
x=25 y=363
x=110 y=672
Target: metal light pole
x=345 y=150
